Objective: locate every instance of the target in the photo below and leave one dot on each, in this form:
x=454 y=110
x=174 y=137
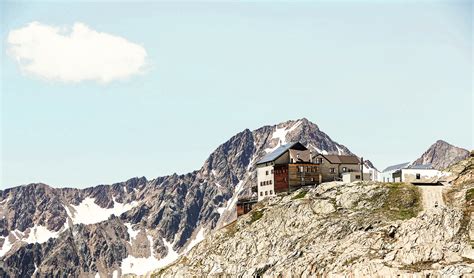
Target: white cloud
x=74 y=54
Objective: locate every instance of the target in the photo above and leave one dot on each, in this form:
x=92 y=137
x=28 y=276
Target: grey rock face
x=172 y=208
x=336 y=229
x=441 y=155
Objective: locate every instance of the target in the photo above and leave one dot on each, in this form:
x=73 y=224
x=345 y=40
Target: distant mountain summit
x=137 y=225
x=441 y=155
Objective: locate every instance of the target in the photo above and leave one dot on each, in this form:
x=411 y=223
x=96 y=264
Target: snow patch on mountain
x=221 y=210
x=280 y=134
x=339 y=150
x=7 y=245
x=199 y=237
x=88 y=212
x=318 y=149
x=232 y=201
x=238 y=188
x=142 y=266
x=36 y=234
x=252 y=161
x=40 y=234
x=131 y=232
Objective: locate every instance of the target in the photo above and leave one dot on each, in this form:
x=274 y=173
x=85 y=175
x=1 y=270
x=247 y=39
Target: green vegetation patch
x=470 y=195
x=300 y=195
x=403 y=201
x=256 y=215
x=231 y=229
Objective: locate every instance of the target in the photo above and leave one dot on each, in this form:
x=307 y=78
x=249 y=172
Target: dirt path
x=431 y=195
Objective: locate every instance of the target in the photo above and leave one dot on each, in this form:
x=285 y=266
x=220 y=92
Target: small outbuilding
x=387 y=174
x=418 y=174
x=245 y=204
x=349 y=177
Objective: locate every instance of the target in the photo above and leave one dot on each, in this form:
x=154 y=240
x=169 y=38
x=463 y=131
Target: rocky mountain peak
x=441 y=155
x=138 y=220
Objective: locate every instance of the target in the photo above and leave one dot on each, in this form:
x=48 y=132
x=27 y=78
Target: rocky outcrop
x=441 y=155
x=346 y=230
x=94 y=230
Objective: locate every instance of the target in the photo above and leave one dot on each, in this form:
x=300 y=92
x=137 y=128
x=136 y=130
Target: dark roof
x=342 y=159
x=281 y=150
x=420 y=166
x=396 y=167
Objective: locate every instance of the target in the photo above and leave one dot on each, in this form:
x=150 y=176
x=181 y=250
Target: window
x=270 y=182
x=301 y=169
x=312 y=179
x=344 y=169
x=261 y=193
x=357 y=177
x=266 y=173
x=292 y=160
x=418 y=176
x=266 y=193
x=271 y=192
x=332 y=170
x=302 y=178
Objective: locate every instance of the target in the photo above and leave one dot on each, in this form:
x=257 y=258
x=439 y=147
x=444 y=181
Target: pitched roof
x=421 y=166
x=342 y=159
x=396 y=167
x=279 y=151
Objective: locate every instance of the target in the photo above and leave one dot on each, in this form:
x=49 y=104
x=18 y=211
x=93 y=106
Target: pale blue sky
x=386 y=79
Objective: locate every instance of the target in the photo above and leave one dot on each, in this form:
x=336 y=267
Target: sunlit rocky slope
x=344 y=230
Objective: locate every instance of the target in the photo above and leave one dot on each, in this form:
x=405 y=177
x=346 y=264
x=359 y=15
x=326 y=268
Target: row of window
x=308 y=169
x=281 y=171
x=266 y=172
x=300 y=169
x=333 y=170
x=265 y=182
x=266 y=193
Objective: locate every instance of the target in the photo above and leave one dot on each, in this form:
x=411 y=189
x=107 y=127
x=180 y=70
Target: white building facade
x=266 y=182
x=349 y=177
x=418 y=174
x=387 y=174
